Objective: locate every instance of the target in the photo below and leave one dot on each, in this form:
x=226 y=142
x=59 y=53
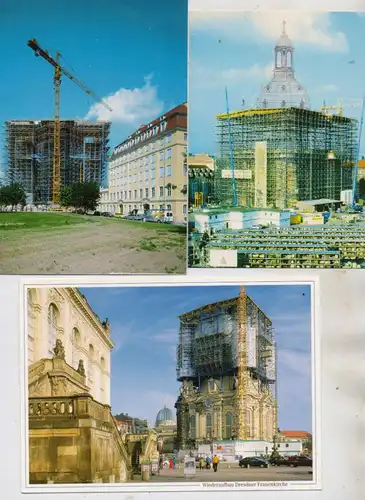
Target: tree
x=12 y=194
x=66 y=196
x=82 y=195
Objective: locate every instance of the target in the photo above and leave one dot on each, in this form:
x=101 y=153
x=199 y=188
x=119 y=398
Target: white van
x=168 y=217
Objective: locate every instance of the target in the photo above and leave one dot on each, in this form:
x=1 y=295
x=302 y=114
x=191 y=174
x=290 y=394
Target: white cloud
x=306 y=28
x=294 y=362
x=330 y=87
x=166 y=336
x=210 y=77
x=129 y=106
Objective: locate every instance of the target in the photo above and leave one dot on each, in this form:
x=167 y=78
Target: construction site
x=29 y=146
x=286 y=182
x=46 y=155
x=282 y=156
x=226 y=364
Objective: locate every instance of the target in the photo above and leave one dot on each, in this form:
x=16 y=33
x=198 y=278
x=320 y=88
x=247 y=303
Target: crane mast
x=56 y=185
x=58 y=71
x=242 y=373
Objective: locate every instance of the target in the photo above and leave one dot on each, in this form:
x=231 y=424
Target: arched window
x=228 y=429
x=278 y=59
x=31 y=326
x=208 y=425
x=192 y=426
x=53 y=323
x=289 y=59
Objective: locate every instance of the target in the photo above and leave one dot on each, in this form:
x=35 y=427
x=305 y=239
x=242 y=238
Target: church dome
x=283 y=90
x=164 y=415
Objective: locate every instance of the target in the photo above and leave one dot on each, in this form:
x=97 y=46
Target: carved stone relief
x=58 y=386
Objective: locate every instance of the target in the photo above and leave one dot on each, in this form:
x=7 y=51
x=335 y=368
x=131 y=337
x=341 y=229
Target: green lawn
x=64 y=243
x=46 y=221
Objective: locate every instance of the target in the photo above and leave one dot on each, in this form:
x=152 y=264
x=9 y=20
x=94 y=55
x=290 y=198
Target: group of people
x=207 y=463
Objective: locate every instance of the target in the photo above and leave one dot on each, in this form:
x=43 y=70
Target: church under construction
x=283 y=152
x=226 y=364
x=29 y=150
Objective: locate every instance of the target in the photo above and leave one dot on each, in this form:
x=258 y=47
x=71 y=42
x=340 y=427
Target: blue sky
x=132 y=54
x=235 y=50
x=144 y=327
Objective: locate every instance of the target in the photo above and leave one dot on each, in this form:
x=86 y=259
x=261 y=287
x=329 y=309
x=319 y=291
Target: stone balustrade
x=79 y=406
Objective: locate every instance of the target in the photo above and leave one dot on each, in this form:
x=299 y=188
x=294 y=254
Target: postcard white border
x=314 y=484
x=255 y=5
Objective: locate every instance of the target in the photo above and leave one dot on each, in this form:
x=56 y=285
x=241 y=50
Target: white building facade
x=149 y=168
x=64 y=314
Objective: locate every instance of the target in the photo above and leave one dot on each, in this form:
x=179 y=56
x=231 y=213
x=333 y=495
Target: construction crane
x=58 y=71
x=242 y=372
x=231 y=159
x=337 y=107
x=354 y=206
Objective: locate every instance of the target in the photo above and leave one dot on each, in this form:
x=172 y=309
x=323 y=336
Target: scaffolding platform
x=29 y=152
x=284 y=155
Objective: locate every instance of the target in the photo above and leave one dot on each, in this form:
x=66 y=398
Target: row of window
x=142 y=137
x=144 y=149
x=163 y=171
x=227 y=434
x=147 y=163
x=209 y=426
x=129 y=208
x=141 y=193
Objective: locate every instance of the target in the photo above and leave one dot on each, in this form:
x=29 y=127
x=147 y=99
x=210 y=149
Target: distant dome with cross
x=283 y=91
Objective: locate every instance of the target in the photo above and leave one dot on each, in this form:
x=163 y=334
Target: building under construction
x=29 y=150
x=281 y=151
x=281 y=156
x=226 y=363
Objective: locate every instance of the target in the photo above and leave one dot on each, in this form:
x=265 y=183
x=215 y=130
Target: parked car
x=277 y=461
x=106 y=214
x=166 y=218
x=97 y=213
x=300 y=461
x=253 y=462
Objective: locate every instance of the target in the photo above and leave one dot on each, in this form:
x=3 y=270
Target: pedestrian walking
x=201 y=464
x=207 y=462
x=215 y=463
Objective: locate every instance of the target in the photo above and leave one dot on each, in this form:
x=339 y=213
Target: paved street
x=235 y=473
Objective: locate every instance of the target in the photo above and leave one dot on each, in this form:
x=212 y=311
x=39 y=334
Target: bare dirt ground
x=103 y=247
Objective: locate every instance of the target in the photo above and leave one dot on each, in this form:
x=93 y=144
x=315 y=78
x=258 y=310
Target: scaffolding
x=29 y=150
x=209 y=342
x=323 y=246
x=284 y=155
x=200 y=186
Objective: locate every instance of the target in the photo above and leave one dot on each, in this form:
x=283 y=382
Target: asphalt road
x=235 y=473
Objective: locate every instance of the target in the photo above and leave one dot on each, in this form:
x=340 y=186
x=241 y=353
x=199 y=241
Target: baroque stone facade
x=208 y=415
x=64 y=314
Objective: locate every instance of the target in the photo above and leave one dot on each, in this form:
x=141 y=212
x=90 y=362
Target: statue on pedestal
x=81 y=368
x=59 y=350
